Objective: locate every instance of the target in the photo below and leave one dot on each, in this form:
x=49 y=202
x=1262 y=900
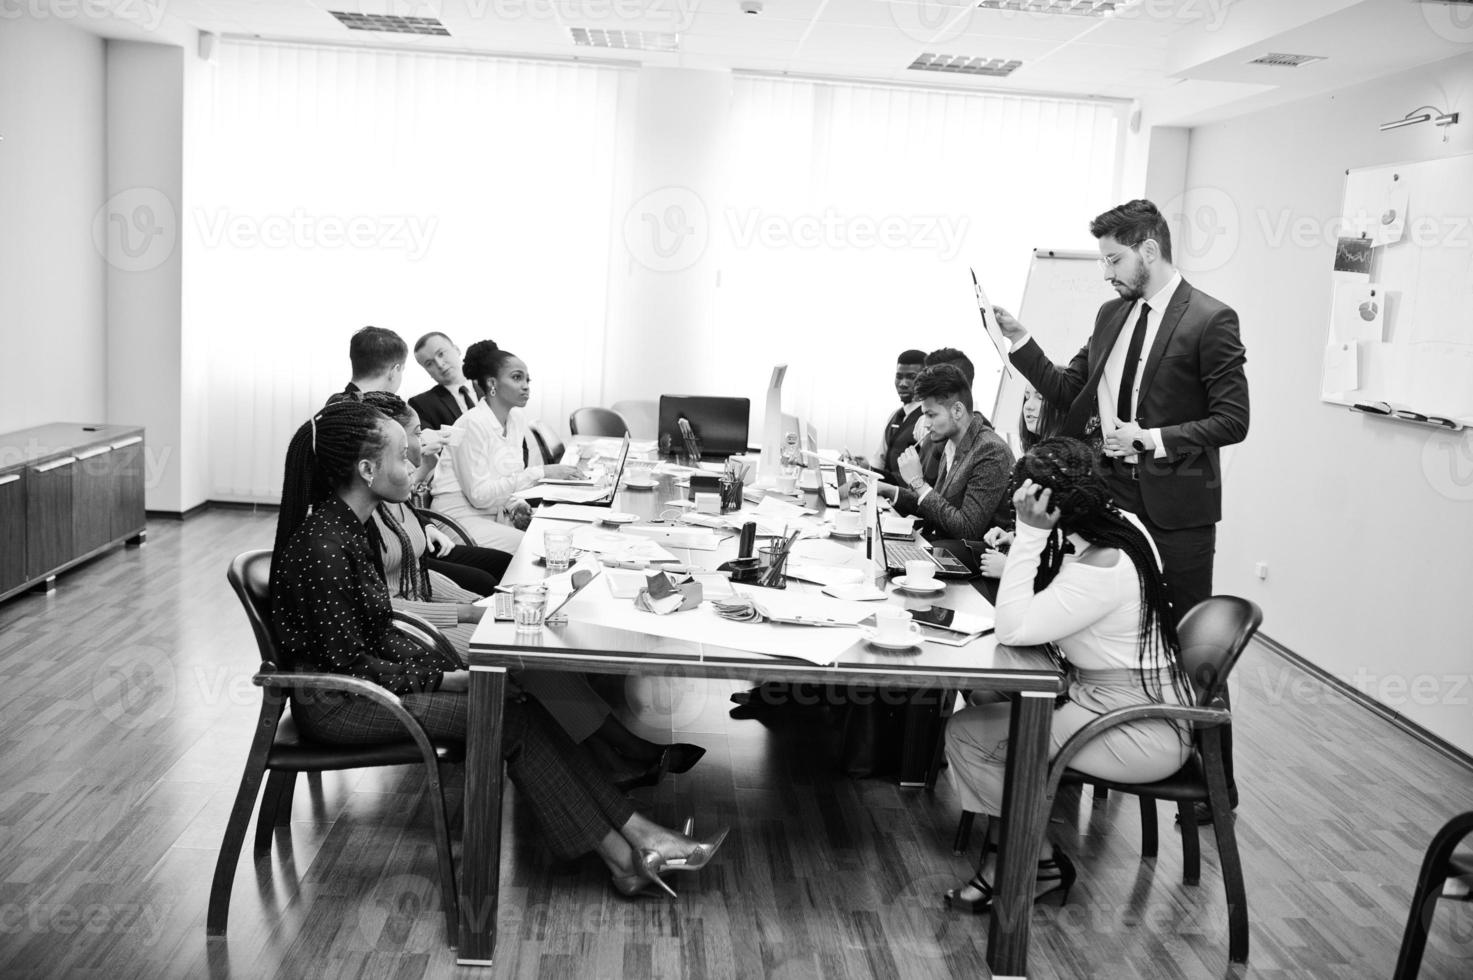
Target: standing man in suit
x=970 y=490
x=1162 y=379
x=899 y=432
x=452 y=394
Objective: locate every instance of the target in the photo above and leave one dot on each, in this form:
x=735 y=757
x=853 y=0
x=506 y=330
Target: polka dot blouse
x=331 y=608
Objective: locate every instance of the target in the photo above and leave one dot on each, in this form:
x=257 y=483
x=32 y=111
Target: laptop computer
x=587 y=492
x=894 y=554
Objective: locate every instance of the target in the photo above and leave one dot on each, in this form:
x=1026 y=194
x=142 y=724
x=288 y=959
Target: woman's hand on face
x=559 y=471
x=992 y=563
x=1033 y=506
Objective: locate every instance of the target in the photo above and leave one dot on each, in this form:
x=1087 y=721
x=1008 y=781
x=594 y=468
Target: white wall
x=145 y=164
x=1366 y=526
x=52 y=176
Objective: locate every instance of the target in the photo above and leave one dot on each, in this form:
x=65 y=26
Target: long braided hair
x=1068 y=469
x=322 y=457
x=413 y=582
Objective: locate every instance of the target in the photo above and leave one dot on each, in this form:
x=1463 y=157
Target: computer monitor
x=721 y=424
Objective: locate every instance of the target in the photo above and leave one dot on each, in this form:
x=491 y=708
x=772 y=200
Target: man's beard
x=1136 y=287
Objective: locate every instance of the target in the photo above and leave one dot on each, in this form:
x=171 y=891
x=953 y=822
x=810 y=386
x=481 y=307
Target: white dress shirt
x=486 y=467
x=1115 y=364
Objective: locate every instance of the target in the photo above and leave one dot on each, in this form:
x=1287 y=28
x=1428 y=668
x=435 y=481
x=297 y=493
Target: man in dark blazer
x=969 y=493
x=1162 y=380
x=452 y=393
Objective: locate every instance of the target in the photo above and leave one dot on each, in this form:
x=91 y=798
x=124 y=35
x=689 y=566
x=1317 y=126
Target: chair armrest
x=446 y=524
x=428 y=635
x=283 y=680
x=1203 y=717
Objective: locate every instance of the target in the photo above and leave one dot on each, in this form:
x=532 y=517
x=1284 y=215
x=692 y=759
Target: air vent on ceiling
x=590 y=37
x=1079 y=8
x=1286 y=60
x=960 y=64
x=390 y=23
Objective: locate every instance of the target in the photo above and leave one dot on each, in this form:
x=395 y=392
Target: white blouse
x=1092 y=612
x=486 y=467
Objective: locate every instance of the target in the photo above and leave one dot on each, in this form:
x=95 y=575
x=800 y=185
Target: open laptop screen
x=721 y=424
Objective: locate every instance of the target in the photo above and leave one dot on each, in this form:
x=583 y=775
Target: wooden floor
x=127 y=711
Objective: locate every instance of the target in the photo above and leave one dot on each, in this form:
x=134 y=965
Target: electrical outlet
x=1261 y=569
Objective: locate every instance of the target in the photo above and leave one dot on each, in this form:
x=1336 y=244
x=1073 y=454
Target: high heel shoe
x=1057 y=869
x=699 y=856
x=632 y=885
x=679 y=757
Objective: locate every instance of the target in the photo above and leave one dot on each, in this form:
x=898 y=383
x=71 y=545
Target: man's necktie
x=942 y=470
x=465 y=394
x=1132 y=358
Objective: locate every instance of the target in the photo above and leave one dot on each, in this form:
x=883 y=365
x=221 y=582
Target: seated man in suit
x=969 y=492
x=377 y=356
x=930 y=451
x=452 y=394
x=899 y=434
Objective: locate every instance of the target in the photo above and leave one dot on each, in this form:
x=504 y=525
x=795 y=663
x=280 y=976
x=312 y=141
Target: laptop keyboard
x=897 y=553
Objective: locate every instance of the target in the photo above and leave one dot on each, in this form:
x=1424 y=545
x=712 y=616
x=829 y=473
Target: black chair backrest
x=1213 y=635
x=250 y=577
x=598 y=422
x=548 y=442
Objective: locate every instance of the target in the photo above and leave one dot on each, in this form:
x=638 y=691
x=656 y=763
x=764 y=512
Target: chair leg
x=1424 y=898
x=235 y=832
x=1227 y=846
x=963 y=837
x=1101 y=795
x=938 y=754
x=276 y=784
x=1191 y=846
x=284 y=805
x=449 y=893
x=1149 y=841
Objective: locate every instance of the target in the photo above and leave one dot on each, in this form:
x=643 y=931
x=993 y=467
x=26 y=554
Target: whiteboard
x=1061 y=297
x=1419 y=358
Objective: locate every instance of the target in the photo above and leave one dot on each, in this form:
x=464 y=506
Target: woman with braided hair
x=420 y=588
x=1086 y=577
x=332 y=612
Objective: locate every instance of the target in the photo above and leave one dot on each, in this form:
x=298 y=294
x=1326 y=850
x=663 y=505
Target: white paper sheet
x=815 y=644
x=575 y=512
x=553 y=492
x=1341 y=368
x=1390 y=224
x=694 y=538
x=989 y=324
x=1358 y=312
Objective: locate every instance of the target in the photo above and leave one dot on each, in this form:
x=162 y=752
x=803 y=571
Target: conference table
x=1026 y=676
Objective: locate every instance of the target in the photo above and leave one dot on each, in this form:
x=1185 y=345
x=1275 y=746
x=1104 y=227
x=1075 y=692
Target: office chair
x=548 y=442
x=278 y=747
x=1438 y=865
x=451 y=528
x=597 y=422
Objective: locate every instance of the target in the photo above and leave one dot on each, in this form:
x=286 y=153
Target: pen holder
x=731 y=493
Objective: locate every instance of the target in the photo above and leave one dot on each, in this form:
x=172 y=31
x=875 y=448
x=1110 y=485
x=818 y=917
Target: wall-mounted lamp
x=1426 y=113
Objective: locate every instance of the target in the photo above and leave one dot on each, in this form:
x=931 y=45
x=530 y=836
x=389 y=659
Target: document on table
x=813 y=644
x=694 y=538
x=574 y=512
x=563 y=494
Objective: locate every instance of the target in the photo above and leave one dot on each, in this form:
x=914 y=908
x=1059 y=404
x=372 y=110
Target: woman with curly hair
x=1085 y=577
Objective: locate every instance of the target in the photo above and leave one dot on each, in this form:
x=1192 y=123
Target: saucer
x=936 y=586
x=640 y=485
x=915 y=640
x=617 y=518
x=845 y=535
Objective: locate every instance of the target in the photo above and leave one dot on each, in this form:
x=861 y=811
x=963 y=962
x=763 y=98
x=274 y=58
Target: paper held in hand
x=994 y=331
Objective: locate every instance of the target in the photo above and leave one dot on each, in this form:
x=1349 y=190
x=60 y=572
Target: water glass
x=558 y=546
x=529 y=604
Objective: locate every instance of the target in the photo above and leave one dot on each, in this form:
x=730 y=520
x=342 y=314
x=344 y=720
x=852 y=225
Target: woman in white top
x=496 y=455
x=1085 y=577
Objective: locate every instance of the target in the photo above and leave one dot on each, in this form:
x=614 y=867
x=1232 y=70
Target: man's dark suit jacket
x=1193 y=388
x=973 y=495
x=437 y=407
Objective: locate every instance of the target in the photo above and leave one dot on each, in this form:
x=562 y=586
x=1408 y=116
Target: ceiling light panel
x=390 y=23
x=590 y=37
x=960 y=64
x=1077 y=8
x=1286 y=60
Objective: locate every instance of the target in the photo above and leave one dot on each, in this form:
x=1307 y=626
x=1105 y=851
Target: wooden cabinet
x=12 y=530
x=67 y=492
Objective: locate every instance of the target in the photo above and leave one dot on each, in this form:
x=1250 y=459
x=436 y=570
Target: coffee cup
x=892 y=624
x=920 y=573
x=847 y=521
x=787 y=482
